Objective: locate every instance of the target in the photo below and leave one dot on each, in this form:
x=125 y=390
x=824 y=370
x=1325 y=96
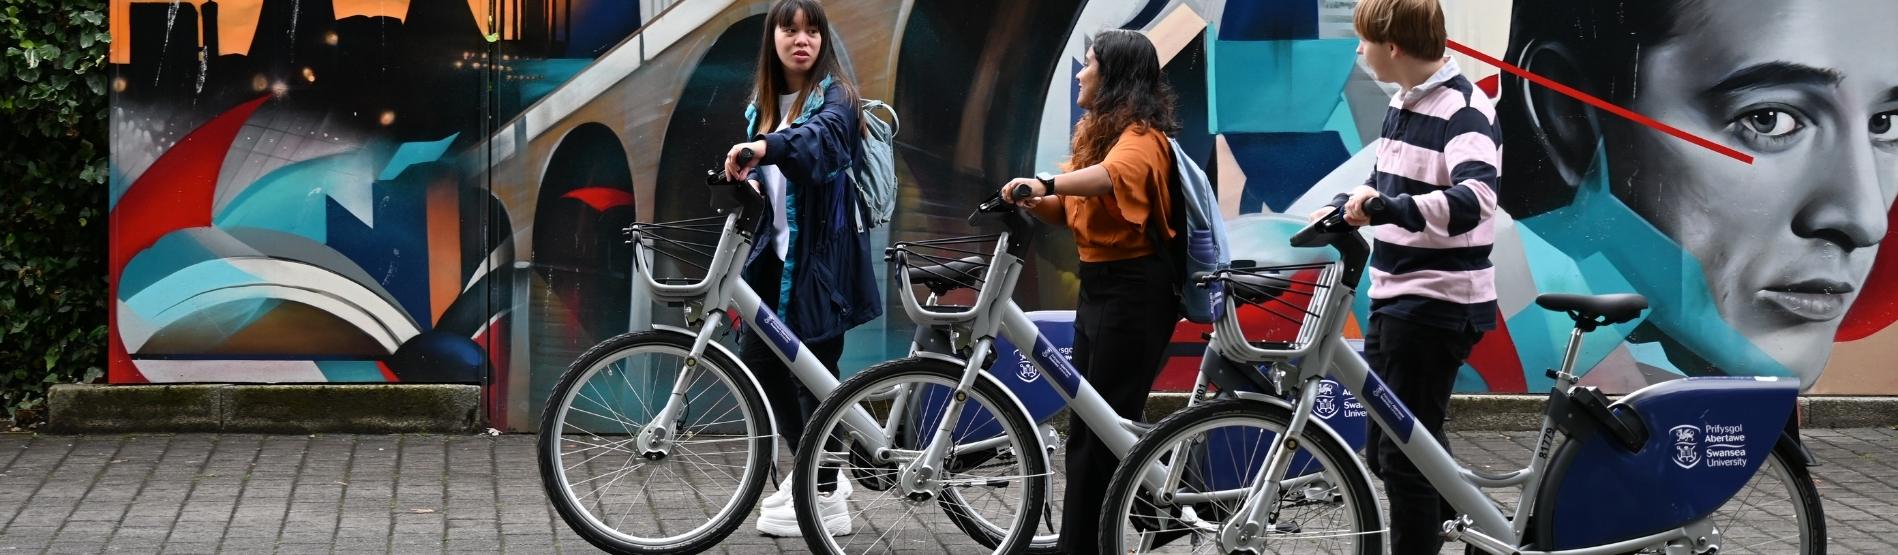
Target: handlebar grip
x=1334 y=222
x=1374 y=205
x=745 y=155
x=1021 y=192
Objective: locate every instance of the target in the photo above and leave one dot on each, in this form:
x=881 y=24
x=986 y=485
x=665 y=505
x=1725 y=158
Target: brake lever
x=994 y=204
x=716 y=176
x=1333 y=222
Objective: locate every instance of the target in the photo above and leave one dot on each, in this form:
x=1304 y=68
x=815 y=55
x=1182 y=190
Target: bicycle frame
x=723 y=289
x=993 y=313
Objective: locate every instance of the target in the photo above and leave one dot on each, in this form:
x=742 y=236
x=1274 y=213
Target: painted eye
x=1882 y=128
x=1770 y=122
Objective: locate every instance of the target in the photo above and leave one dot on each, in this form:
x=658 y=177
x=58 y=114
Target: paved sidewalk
x=433 y=494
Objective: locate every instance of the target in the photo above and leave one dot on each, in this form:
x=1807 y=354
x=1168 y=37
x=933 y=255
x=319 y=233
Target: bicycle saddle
x=1254 y=288
x=949 y=276
x=1599 y=309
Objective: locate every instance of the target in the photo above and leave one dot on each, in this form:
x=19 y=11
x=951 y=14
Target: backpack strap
x=1162 y=247
x=896 y=124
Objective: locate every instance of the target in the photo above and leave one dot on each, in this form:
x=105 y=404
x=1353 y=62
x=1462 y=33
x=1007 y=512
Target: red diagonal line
x=1602 y=104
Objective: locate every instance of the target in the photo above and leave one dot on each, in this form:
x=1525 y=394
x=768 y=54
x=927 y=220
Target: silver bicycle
x=963 y=452
x=1691 y=466
x=660 y=440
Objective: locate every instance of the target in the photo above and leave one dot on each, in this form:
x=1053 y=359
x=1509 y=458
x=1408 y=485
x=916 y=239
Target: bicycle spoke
x=590 y=459
x=725 y=440
x=603 y=500
x=644 y=490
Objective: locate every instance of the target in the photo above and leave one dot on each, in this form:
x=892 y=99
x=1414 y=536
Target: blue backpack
x=1199 y=237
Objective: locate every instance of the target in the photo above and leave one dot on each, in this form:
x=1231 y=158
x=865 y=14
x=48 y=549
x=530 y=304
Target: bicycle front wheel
x=880 y=502
x=629 y=483
x=1215 y=453
x=1047 y=531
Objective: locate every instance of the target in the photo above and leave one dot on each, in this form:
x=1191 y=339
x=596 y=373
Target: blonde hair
x=1415 y=26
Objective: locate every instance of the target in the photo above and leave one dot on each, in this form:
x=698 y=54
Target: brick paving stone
x=240 y=493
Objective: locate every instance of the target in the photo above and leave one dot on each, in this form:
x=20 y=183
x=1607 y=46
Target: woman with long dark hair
x=810 y=264
x=1113 y=196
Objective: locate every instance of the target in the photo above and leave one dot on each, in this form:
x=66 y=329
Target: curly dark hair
x=1131 y=92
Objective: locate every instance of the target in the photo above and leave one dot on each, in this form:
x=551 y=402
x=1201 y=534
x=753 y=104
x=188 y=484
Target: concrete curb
x=432 y=408
x=1509 y=413
x=327 y=408
x=1849 y=412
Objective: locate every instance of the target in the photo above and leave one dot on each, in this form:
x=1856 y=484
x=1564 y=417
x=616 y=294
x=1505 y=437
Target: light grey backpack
x=875 y=171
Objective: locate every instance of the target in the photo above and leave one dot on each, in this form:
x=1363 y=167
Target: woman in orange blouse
x=1115 y=189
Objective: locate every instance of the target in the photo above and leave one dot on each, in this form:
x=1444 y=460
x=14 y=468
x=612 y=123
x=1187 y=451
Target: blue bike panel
x=767 y=324
x=1342 y=411
x=1051 y=359
x=1397 y=419
x=1013 y=369
x=1707 y=437
x=1015 y=372
x=976 y=422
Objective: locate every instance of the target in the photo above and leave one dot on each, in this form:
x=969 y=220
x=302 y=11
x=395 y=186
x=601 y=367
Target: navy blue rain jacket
x=827 y=285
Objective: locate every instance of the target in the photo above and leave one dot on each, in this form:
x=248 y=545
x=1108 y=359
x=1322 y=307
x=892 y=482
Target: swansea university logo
x=1686 y=445
x=1027 y=372
x=1327 y=400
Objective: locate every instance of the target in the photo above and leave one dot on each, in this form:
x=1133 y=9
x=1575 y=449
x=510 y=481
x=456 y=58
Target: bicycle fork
x=656 y=438
x=921 y=479
x=1257 y=517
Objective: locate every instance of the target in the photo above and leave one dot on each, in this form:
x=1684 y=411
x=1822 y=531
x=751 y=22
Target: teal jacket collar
x=812 y=104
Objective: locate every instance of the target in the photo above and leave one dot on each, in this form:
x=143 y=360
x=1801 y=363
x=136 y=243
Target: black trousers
x=1419 y=363
x=791 y=402
x=1122 y=325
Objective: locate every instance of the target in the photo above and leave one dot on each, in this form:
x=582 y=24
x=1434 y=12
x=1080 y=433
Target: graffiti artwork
x=433 y=190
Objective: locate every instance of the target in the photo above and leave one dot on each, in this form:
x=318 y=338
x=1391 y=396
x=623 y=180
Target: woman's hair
x=1130 y=91
x=1604 y=40
x=770 y=80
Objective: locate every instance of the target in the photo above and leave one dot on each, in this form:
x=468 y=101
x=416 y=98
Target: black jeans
x=1419 y=363
x=1122 y=326
x=791 y=402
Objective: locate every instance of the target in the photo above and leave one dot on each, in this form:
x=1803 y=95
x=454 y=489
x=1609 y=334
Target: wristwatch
x=1047 y=183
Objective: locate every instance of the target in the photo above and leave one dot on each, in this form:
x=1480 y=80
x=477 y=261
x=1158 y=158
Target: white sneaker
x=779 y=498
x=781 y=521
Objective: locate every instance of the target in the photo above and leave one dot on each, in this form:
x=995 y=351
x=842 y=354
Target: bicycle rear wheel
x=1777 y=510
x=1218 y=451
x=625 y=491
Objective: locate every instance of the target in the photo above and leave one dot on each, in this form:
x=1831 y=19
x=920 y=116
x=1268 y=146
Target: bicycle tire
x=761 y=434
x=987 y=534
x=989 y=393
x=1782 y=459
x=1124 y=489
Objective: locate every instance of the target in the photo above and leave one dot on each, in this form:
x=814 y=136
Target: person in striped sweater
x=1433 y=290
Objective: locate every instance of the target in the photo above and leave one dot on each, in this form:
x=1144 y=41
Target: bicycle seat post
x=1566 y=378
x=1589 y=312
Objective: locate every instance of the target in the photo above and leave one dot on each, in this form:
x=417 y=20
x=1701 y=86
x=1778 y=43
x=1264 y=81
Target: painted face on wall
x=1802 y=85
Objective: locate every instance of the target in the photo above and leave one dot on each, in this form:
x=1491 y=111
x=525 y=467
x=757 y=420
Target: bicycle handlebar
x=1020 y=192
x=747 y=202
x=1326 y=229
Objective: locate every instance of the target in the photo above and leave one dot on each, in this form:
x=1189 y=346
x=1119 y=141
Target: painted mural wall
x=432 y=190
